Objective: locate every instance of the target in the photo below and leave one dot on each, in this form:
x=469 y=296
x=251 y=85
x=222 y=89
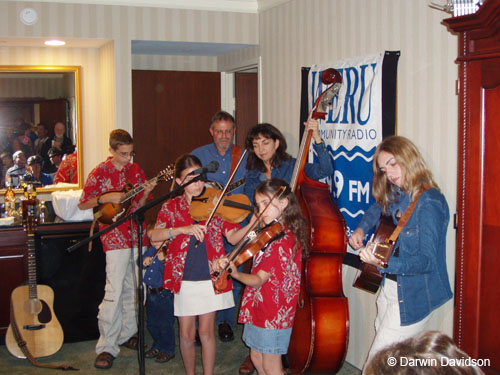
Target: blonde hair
x=414 y=171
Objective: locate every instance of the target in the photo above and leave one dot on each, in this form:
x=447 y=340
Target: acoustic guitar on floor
x=108 y=213
x=32 y=315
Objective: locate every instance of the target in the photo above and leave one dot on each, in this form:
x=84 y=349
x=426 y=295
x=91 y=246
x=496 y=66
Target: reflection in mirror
x=40 y=126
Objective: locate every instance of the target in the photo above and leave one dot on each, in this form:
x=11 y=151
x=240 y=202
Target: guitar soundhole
x=45 y=315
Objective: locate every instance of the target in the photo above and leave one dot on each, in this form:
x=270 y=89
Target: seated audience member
x=22 y=141
x=42 y=143
x=60 y=140
x=35 y=169
x=16 y=172
x=55 y=157
x=7 y=162
x=6 y=139
x=68 y=169
x=428 y=353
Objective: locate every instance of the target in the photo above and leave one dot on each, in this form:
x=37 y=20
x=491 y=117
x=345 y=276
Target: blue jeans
x=160 y=324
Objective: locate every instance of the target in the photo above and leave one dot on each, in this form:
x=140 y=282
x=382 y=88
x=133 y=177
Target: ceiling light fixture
x=55 y=42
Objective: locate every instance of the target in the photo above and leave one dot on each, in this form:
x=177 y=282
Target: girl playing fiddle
x=187 y=265
x=270 y=299
x=267 y=158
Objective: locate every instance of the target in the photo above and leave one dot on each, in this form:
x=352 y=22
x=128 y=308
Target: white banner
x=352 y=130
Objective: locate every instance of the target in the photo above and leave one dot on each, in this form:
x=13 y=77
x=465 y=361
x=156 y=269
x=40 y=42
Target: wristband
x=170 y=234
x=99 y=201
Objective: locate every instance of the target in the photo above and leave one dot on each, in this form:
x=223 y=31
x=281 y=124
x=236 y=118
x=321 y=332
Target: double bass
x=318 y=344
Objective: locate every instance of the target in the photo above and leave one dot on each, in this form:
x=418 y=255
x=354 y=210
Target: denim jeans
x=160 y=323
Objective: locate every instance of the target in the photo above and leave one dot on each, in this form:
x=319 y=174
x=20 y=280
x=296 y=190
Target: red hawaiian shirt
x=104 y=178
x=175 y=213
x=273 y=304
x=68 y=170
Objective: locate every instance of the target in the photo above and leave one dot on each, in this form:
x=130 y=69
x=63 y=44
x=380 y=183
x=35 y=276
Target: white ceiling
x=245 y=6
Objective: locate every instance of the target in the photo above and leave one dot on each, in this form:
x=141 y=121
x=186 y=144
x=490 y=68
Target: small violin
x=251 y=245
x=234 y=208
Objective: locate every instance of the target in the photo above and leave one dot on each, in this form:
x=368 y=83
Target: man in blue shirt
x=35 y=169
x=224 y=152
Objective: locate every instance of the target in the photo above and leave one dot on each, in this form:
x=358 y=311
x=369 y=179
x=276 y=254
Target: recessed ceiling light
x=55 y=42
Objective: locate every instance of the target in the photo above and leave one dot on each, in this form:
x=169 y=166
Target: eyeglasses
x=126 y=154
x=224 y=132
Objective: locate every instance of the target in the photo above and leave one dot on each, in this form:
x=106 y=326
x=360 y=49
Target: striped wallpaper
x=291 y=35
x=306 y=32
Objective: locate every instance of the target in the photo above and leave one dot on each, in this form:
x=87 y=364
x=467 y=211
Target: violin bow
x=223 y=193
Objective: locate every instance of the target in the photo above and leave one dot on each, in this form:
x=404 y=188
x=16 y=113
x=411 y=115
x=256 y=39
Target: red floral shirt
x=175 y=213
x=68 y=170
x=273 y=304
x=104 y=178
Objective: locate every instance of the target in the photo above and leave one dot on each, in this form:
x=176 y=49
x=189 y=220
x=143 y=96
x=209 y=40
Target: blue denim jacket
x=420 y=265
x=322 y=169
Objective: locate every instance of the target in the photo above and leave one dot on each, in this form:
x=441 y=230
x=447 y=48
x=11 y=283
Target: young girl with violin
x=192 y=247
x=270 y=299
x=267 y=156
x=416 y=279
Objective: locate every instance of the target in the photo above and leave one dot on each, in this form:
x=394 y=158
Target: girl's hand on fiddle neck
x=313 y=125
x=218 y=265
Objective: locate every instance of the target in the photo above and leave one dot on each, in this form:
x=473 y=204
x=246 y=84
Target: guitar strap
x=406 y=216
x=235 y=155
x=24 y=348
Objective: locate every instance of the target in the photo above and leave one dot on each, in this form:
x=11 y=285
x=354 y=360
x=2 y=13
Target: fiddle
x=251 y=245
x=222 y=196
x=252 y=242
x=234 y=208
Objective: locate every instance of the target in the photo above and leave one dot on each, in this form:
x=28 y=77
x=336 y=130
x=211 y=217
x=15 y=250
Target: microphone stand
x=138 y=216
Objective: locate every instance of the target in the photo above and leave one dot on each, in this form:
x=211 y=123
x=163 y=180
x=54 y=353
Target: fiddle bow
x=222 y=194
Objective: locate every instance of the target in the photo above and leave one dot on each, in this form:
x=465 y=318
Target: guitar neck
x=32 y=267
x=132 y=193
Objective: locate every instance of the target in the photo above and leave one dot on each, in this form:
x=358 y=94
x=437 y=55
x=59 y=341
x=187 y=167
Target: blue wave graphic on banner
x=351 y=183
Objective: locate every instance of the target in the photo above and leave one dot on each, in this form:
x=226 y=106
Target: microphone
x=209 y=168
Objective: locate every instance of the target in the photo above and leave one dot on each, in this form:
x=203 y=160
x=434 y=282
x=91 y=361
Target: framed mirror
x=40 y=127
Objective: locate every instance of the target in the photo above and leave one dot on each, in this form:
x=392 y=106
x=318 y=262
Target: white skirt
x=198 y=297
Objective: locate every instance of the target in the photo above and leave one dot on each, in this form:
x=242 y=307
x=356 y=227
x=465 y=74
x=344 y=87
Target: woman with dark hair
x=267 y=156
x=22 y=141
